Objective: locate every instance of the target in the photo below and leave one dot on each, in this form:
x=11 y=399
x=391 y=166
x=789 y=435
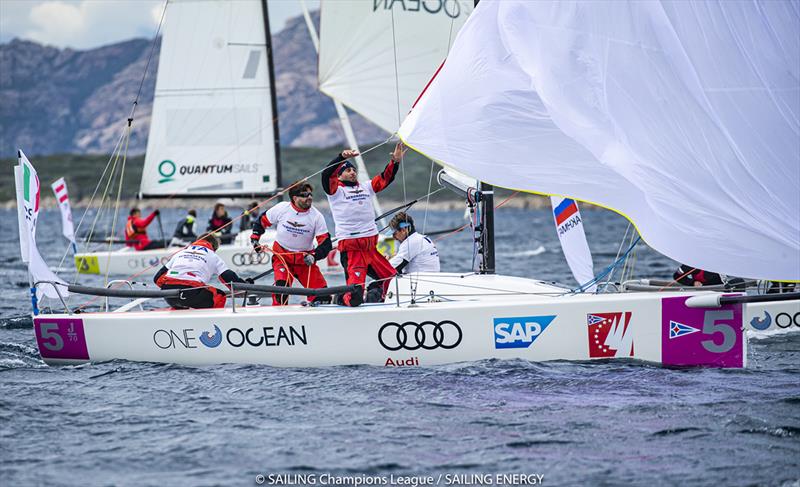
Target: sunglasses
x=305 y=195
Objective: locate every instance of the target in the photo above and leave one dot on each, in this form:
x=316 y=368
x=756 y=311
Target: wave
x=17 y=355
x=16 y=322
x=528 y=253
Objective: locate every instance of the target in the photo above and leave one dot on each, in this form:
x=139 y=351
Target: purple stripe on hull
x=717 y=342
x=61 y=338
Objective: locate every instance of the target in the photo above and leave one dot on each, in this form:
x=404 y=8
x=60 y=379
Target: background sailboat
x=214 y=129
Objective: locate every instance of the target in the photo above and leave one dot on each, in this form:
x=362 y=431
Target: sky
x=85 y=24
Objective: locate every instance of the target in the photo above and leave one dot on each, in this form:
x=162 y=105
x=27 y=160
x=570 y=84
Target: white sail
x=683 y=116
x=212 y=128
x=377 y=56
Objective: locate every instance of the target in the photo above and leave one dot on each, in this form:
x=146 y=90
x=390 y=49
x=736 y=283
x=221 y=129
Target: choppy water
x=606 y=423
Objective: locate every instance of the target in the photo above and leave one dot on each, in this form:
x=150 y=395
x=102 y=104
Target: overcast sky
x=84 y=24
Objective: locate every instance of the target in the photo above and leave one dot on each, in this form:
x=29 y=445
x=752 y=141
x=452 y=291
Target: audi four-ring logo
x=785 y=320
x=251 y=258
x=427 y=335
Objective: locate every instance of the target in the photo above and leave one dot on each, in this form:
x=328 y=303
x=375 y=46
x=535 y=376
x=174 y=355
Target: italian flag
x=30 y=182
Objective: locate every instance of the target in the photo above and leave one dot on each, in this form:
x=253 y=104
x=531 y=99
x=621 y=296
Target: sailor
x=186 y=230
x=136 y=231
x=354 y=217
x=219 y=223
x=691 y=276
x=248 y=217
x=193 y=267
x=416 y=253
x=299 y=227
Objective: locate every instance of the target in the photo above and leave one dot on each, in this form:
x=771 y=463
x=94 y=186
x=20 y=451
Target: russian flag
x=564 y=210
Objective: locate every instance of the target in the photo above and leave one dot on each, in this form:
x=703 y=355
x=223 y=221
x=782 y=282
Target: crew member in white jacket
x=416 y=253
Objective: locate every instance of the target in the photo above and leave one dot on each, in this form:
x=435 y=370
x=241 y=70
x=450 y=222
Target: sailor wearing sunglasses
x=298 y=226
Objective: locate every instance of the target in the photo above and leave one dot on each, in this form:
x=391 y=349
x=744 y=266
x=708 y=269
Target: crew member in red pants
x=294 y=257
x=354 y=217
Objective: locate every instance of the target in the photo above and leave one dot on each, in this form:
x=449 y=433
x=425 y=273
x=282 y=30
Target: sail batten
x=680 y=115
x=212 y=130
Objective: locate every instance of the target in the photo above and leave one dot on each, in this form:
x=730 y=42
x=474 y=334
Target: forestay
x=683 y=116
x=376 y=56
x=212 y=130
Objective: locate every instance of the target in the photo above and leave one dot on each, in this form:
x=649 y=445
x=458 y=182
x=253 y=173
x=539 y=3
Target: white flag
x=573 y=240
x=28 y=193
x=60 y=190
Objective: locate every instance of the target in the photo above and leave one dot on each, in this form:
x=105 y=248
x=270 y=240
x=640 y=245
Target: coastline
x=522 y=201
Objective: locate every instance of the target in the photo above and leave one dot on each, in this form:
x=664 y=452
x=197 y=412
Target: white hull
x=778 y=317
x=450 y=327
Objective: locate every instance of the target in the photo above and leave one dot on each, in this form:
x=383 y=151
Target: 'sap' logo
x=519 y=331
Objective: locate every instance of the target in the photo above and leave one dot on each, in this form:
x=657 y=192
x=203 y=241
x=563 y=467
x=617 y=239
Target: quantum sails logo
x=167 y=169
x=254 y=337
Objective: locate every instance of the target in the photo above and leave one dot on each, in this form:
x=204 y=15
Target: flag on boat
x=62 y=197
x=569 y=226
x=27 y=186
x=28 y=193
x=682 y=116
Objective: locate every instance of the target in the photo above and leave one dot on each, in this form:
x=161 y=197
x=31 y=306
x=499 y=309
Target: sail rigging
x=214 y=124
x=683 y=116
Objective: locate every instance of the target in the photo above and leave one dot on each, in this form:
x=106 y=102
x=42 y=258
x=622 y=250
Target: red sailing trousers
x=288 y=266
x=360 y=257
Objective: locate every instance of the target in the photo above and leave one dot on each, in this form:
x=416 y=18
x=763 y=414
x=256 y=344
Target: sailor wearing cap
x=416 y=253
x=193 y=268
x=354 y=217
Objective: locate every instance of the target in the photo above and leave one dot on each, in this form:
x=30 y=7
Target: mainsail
x=683 y=116
x=214 y=123
x=377 y=56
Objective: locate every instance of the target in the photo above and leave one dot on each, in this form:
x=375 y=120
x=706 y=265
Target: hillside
x=66 y=101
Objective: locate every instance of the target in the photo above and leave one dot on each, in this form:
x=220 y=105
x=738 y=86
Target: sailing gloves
x=309 y=260
x=256 y=246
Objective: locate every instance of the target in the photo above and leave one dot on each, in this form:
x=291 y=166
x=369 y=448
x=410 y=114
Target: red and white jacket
x=351 y=203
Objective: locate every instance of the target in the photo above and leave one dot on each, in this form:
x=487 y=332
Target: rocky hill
x=67 y=101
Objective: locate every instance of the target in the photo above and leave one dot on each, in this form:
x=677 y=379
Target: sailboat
x=481 y=107
x=214 y=130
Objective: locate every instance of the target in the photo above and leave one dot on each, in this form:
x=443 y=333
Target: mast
x=487 y=223
x=275 y=134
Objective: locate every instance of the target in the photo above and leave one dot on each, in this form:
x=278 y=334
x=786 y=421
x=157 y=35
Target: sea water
x=482 y=423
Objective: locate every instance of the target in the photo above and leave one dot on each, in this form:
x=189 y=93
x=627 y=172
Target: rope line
x=119 y=195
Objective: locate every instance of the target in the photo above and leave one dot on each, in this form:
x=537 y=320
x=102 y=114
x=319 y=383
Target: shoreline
x=521 y=201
